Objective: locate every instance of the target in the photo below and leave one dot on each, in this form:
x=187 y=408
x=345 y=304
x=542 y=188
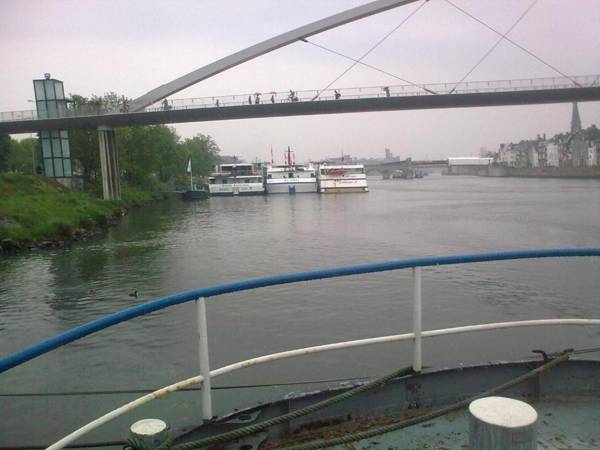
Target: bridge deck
x=455 y=100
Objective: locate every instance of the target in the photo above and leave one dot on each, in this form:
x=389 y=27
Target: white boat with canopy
x=291 y=178
x=342 y=178
x=236 y=179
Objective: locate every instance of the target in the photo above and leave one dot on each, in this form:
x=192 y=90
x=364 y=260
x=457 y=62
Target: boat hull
x=292 y=187
x=195 y=195
x=236 y=189
x=343 y=185
x=342 y=178
x=342 y=189
x=236 y=194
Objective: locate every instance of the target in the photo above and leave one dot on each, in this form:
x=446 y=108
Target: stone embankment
x=543 y=172
x=533 y=172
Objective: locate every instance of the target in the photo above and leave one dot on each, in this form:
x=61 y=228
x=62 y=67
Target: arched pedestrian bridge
x=278 y=104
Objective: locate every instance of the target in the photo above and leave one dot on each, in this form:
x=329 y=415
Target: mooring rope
x=429 y=416
x=253 y=429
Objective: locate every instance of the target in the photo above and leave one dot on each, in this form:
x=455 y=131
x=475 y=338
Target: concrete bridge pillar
x=109 y=163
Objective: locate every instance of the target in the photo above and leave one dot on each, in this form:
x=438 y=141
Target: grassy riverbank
x=39 y=211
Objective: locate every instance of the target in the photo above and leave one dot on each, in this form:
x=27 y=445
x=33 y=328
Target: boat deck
x=562 y=424
x=565 y=398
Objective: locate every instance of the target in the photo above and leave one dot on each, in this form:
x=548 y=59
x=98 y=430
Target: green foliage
x=35 y=208
x=5 y=149
x=592 y=133
x=204 y=152
x=138 y=197
x=22 y=156
x=85 y=154
x=154 y=155
x=140 y=150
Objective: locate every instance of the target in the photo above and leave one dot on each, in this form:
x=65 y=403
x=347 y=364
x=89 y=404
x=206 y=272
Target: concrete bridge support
x=109 y=163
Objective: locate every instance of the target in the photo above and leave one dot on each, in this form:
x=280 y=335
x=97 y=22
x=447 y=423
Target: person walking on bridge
x=337 y=94
x=386 y=90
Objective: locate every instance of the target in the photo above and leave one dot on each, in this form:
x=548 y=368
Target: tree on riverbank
x=5 y=147
x=23 y=156
x=203 y=151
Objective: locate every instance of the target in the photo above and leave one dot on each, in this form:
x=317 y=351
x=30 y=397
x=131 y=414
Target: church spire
x=575 y=120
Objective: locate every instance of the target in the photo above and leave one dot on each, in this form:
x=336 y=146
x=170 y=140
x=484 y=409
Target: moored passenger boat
x=342 y=178
x=290 y=178
x=236 y=179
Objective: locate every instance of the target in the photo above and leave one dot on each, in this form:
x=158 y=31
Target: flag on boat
x=189 y=166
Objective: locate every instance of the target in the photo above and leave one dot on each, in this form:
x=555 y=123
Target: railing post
x=204 y=362
x=417 y=320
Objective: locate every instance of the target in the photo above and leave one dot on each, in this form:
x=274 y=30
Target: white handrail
x=417 y=321
x=204 y=360
x=306 y=351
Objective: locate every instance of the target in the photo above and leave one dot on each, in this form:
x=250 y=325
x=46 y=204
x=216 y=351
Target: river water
x=175 y=246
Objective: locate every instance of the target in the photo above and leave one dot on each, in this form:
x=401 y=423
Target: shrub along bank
x=40 y=212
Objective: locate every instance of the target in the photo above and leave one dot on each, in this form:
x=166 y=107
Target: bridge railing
x=273 y=97
x=13 y=116
x=60 y=113
x=466 y=87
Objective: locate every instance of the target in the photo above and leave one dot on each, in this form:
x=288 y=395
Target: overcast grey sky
x=132 y=46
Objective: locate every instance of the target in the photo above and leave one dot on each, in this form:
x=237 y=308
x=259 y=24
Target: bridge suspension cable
x=371 y=49
x=502 y=37
x=516 y=44
x=369 y=66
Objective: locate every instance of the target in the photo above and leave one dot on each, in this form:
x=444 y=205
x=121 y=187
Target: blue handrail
x=86 y=329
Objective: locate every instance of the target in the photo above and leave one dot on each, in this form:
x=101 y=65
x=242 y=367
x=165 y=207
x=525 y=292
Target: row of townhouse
x=563 y=150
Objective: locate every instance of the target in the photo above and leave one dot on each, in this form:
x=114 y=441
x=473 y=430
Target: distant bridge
x=276 y=104
x=386 y=168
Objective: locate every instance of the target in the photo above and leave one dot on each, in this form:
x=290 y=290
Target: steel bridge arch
x=256 y=50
